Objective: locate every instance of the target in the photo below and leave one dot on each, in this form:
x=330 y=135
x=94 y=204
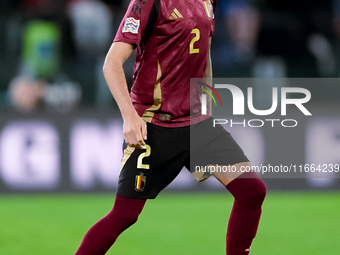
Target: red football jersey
x=172 y=42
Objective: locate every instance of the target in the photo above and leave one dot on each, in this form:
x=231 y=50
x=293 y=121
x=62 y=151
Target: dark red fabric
x=101 y=236
x=249 y=192
x=166 y=53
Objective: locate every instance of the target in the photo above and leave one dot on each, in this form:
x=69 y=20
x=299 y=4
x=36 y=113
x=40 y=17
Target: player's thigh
x=219 y=154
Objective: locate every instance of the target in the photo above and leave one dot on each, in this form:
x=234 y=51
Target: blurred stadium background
x=60 y=130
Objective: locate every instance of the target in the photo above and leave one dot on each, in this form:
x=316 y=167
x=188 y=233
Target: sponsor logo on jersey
x=208 y=9
x=131 y=25
x=164 y=116
x=140 y=182
x=175 y=14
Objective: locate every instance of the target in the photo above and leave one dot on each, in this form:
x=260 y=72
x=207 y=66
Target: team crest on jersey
x=131 y=25
x=140 y=182
x=208 y=9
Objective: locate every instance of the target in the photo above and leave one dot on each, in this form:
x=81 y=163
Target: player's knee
x=125 y=219
x=261 y=191
x=256 y=193
x=248 y=190
x=130 y=217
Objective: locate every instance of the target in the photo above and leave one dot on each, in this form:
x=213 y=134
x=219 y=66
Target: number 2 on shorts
x=140 y=164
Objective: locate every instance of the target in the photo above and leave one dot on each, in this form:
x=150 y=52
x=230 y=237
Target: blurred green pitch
x=174 y=223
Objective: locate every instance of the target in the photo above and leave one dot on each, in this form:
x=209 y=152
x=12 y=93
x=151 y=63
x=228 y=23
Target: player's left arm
x=208 y=77
x=208 y=67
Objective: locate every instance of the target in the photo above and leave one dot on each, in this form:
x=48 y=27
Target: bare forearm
x=134 y=127
x=115 y=78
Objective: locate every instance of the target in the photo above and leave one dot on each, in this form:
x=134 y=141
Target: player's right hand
x=134 y=130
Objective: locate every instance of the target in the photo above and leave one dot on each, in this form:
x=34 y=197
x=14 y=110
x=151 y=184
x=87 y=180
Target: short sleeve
x=132 y=28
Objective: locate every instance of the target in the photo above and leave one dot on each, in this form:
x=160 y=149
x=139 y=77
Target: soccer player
x=172 y=39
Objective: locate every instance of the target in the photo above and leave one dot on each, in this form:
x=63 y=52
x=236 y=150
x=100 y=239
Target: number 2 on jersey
x=140 y=164
x=195 y=39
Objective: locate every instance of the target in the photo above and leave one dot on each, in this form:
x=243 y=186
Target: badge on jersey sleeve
x=131 y=25
x=140 y=182
x=208 y=9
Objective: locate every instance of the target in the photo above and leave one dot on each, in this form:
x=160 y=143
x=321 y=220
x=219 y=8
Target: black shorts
x=145 y=172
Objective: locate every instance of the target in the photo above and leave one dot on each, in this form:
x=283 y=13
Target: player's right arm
x=134 y=128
